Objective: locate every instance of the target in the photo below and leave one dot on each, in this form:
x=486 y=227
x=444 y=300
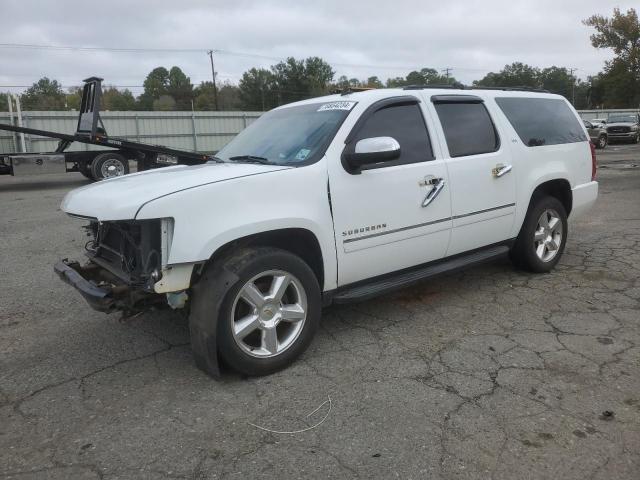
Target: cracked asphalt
x=490 y=373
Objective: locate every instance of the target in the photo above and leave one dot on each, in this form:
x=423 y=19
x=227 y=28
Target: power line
x=206 y=50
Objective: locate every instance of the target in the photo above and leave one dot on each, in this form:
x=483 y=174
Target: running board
x=406 y=278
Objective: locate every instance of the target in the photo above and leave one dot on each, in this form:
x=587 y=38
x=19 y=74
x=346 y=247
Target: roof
x=370 y=96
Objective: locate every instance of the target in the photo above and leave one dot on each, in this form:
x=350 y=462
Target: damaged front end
x=127 y=269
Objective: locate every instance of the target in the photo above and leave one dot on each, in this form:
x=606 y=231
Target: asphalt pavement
x=489 y=373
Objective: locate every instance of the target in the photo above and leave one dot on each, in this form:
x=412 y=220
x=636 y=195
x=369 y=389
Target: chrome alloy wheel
x=548 y=235
x=112 y=168
x=268 y=313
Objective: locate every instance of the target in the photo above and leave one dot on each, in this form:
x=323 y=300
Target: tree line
x=260 y=89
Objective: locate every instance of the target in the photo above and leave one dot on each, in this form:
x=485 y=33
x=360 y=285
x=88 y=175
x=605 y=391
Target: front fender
x=210 y=216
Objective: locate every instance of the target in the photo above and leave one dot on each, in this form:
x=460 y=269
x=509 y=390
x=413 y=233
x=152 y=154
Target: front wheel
x=602 y=141
x=268 y=316
x=542 y=237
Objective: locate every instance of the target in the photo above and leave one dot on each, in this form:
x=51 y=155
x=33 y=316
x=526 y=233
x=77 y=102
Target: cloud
x=360 y=38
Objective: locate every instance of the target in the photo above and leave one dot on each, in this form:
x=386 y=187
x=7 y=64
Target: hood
x=120 y=198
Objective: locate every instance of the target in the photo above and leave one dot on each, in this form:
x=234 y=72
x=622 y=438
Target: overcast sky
x=359 y=38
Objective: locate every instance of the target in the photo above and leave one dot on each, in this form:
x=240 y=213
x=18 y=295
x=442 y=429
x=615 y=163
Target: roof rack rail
x=448 y=86
x=511 y=89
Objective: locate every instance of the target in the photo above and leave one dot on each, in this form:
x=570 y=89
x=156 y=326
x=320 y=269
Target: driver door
x=388 y=216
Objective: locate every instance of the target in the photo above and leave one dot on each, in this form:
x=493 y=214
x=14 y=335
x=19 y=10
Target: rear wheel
x=542 y=237
x=109 y=165
x=267 y=317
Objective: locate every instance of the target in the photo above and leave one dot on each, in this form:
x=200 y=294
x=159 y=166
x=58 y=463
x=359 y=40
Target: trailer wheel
x=85 y=169
x=109 y=165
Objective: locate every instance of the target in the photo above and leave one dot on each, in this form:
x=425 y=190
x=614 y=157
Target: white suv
x=333 y=200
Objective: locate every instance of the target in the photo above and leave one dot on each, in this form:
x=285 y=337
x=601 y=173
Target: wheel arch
x=559 y=188
x=298 y=241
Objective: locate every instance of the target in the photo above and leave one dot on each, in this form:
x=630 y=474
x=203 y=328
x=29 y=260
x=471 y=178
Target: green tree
x=558 y=80
x=257 y=90
x=166 y=90
x=45 y=94
x=342 y=83
x=318 y=74
x=290 y=80
x=74 y=97
x=619 y=88
x=374 y=82
x=155 y=85
x=118 y=101
x=424 y=76
x=619 y=85
x=164 y=103
x=229 y=97
x=180 y=88
x=517 y=74
x=396 y=82
x=4 y=102
x=299 y=79
x=429 y=76
x=204 y=97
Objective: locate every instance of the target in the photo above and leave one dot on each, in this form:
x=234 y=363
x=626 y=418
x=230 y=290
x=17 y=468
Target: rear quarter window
x=542 y=121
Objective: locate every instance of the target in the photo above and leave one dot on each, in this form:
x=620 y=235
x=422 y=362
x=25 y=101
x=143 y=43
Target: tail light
x=594 y=165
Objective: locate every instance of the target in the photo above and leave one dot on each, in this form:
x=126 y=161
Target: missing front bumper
x=102 y=290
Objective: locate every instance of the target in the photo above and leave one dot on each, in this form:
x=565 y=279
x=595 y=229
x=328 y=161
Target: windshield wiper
x=216 y=159
x=251 y=159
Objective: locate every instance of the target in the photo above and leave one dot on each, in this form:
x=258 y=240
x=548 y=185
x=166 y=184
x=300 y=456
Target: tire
x=268 y=342
x=538 y=248
x=85 y=169
x=602 y=142
x=109 y=165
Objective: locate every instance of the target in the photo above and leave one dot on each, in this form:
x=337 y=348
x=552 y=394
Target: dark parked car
x=597 y=134
x=624 y=127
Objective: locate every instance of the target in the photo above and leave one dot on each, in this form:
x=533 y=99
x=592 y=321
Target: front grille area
x=618 y=129
x=131 y=250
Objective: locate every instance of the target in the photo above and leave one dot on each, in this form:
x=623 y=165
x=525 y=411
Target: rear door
x=482 y=185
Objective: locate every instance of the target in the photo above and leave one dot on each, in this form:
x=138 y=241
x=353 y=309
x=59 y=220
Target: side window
x=406 y=124
x=542 y=121
x=468 y=128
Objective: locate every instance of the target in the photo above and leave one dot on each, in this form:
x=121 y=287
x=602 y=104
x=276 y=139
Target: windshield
x=623 y=119
x=288 y=136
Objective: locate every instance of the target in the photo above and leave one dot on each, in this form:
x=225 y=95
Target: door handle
x=501 y=169
x=437 y=184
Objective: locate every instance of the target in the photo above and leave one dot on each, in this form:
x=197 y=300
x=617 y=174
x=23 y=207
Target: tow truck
x=93 y=164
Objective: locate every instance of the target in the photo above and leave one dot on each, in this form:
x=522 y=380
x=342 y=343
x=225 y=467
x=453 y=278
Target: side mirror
x=372 y=150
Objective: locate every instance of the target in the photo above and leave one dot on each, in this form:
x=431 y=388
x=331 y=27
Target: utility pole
x=573 y=86
x=213 y=76
x=446 y=71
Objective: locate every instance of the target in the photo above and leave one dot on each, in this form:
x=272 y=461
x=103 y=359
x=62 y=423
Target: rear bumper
x=584 y=196
x=73 y=274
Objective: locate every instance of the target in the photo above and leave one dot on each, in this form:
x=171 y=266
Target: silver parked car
x=598 y=135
